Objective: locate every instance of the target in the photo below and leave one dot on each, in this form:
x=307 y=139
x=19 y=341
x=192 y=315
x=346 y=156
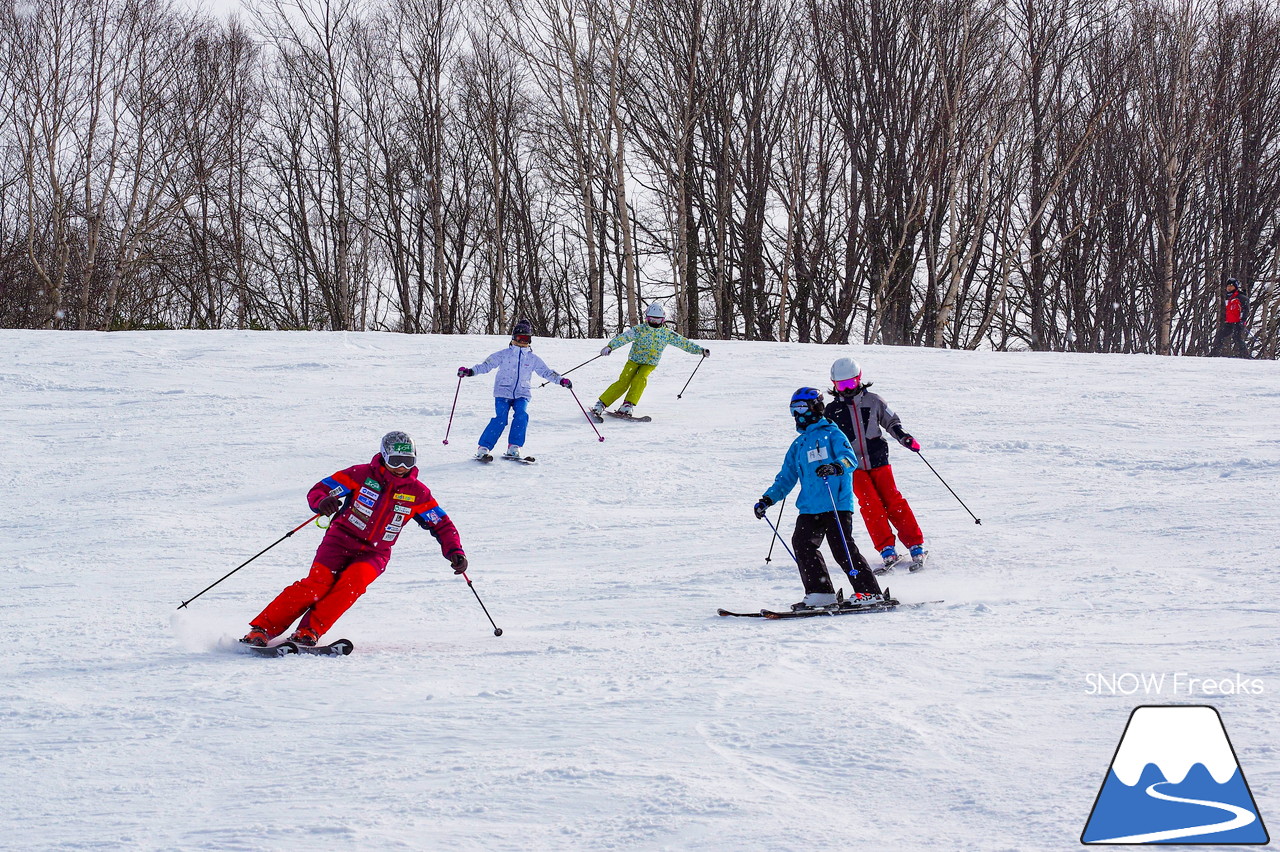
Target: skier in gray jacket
x=865 y=417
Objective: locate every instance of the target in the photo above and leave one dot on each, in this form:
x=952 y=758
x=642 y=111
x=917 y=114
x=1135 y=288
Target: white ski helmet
x=398 y=450
x=845 y=370
x=655 y=311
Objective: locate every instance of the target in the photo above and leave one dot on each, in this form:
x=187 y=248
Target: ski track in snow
x=1128 y=509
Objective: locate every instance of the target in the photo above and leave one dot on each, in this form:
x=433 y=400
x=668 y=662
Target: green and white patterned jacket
x=648 y=342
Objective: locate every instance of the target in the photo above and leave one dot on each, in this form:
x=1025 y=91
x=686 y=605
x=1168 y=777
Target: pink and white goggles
x=849 y=384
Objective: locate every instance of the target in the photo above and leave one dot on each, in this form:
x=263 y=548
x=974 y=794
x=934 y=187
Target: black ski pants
x=809 y=533
x=1231 y=336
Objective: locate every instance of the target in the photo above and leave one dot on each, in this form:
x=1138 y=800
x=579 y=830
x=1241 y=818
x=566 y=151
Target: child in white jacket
x=515 y=365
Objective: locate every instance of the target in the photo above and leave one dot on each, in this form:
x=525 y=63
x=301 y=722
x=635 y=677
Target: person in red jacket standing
x=370 y=504
x=1235 y=311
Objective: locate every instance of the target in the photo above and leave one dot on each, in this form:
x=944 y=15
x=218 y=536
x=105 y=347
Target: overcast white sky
x=220 y=8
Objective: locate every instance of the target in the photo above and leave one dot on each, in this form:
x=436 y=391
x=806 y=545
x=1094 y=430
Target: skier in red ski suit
x=370 y=504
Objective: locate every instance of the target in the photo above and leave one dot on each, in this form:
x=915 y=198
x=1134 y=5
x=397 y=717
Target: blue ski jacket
x=515 y=366
x=819 y=444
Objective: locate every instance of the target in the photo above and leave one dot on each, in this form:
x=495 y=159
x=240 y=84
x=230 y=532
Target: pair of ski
x=621 y=416
x=913 y=566
x=486 y=458
x=339 y=648
x=851 y=607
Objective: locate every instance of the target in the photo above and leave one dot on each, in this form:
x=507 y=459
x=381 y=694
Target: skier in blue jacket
x=515 y=365
x=819 y=458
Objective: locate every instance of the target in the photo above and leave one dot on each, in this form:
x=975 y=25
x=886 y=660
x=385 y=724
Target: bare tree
x=307 y=131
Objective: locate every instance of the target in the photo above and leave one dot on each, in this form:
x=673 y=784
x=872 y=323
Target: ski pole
x=585 y=414
x=781 y=506
x=250 y=559
x=451 y=410
x=976 y=519
x=497 y=631
x=691 y=375
x=567 y=372
x=779 y=537
x=848 y=554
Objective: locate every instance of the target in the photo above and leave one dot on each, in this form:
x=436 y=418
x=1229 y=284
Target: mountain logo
x=1175 y=779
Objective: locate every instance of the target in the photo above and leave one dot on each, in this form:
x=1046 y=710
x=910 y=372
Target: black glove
x=829 y=469
x=465 y=372
x=458 y=560
x=329 y=505
x=565 y=383
x=706 y=353
x=761 y=507
x=909 y=442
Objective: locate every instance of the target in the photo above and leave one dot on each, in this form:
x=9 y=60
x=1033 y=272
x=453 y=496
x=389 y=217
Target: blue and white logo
x=1175 y=779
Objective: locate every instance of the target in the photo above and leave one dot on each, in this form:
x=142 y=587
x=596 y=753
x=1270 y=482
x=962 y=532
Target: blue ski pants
x=519 y=423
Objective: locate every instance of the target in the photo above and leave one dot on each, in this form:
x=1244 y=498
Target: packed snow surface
x=1129 y=511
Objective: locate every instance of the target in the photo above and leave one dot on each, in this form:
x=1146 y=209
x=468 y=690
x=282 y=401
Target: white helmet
x=844 y=370
x=655 y=311
x=398 y=450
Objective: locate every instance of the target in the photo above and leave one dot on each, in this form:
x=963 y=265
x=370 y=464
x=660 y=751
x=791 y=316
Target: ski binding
x=337 y=648
x=521 y=459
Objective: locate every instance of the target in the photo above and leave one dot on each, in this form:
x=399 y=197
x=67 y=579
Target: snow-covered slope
x=1129 y=513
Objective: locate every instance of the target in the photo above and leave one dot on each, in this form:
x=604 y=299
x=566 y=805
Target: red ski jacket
x=1234 y=309
x=377 y=504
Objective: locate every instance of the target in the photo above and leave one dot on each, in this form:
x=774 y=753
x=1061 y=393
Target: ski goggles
x=849 y=384
x=401 y=461
x=800 y=407
x=522 y=338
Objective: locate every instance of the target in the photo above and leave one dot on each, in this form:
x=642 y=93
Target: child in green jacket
x=647 y=342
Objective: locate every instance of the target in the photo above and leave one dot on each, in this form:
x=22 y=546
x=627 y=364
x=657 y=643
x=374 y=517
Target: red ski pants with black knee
x=342 y=570
x=881 y=504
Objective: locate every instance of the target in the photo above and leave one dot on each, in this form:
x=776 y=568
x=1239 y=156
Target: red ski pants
x=327 y=592
x=881 y=503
